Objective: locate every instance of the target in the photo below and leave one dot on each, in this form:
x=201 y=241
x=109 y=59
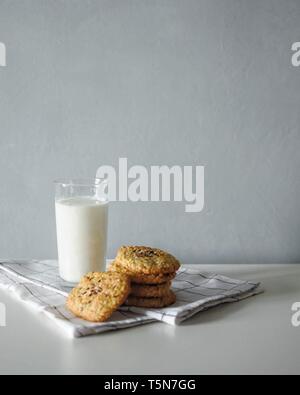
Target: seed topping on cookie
x=98 y=295
x=140 y=260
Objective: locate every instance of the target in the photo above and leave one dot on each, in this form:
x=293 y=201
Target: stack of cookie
x=151 y=272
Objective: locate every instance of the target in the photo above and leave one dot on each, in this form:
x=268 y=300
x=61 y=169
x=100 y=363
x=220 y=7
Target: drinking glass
x=81 y=208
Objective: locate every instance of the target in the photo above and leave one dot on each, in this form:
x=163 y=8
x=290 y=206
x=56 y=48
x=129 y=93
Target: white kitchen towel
x=38 y=283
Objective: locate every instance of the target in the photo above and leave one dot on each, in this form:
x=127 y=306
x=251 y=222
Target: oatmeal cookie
x=146 y=260
x=165 y=301
x=142 y=278
x=150 y=291
x=98 y=295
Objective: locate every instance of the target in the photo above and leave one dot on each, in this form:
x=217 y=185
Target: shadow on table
x=220 y=312
x=275 y=282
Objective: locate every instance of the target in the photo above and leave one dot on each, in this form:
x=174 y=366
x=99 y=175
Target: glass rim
x=81 y=182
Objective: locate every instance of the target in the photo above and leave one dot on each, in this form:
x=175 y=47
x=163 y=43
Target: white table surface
x=254 y=336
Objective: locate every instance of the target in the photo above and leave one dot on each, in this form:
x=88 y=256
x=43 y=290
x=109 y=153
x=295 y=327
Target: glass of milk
x=81 y=224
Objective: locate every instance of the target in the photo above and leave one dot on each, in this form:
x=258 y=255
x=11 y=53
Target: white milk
x=81 y=236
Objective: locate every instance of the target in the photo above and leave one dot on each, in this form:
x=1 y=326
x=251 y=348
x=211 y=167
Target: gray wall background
x=187 y=82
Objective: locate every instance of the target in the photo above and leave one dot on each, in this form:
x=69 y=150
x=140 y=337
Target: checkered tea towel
x=38 y=284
